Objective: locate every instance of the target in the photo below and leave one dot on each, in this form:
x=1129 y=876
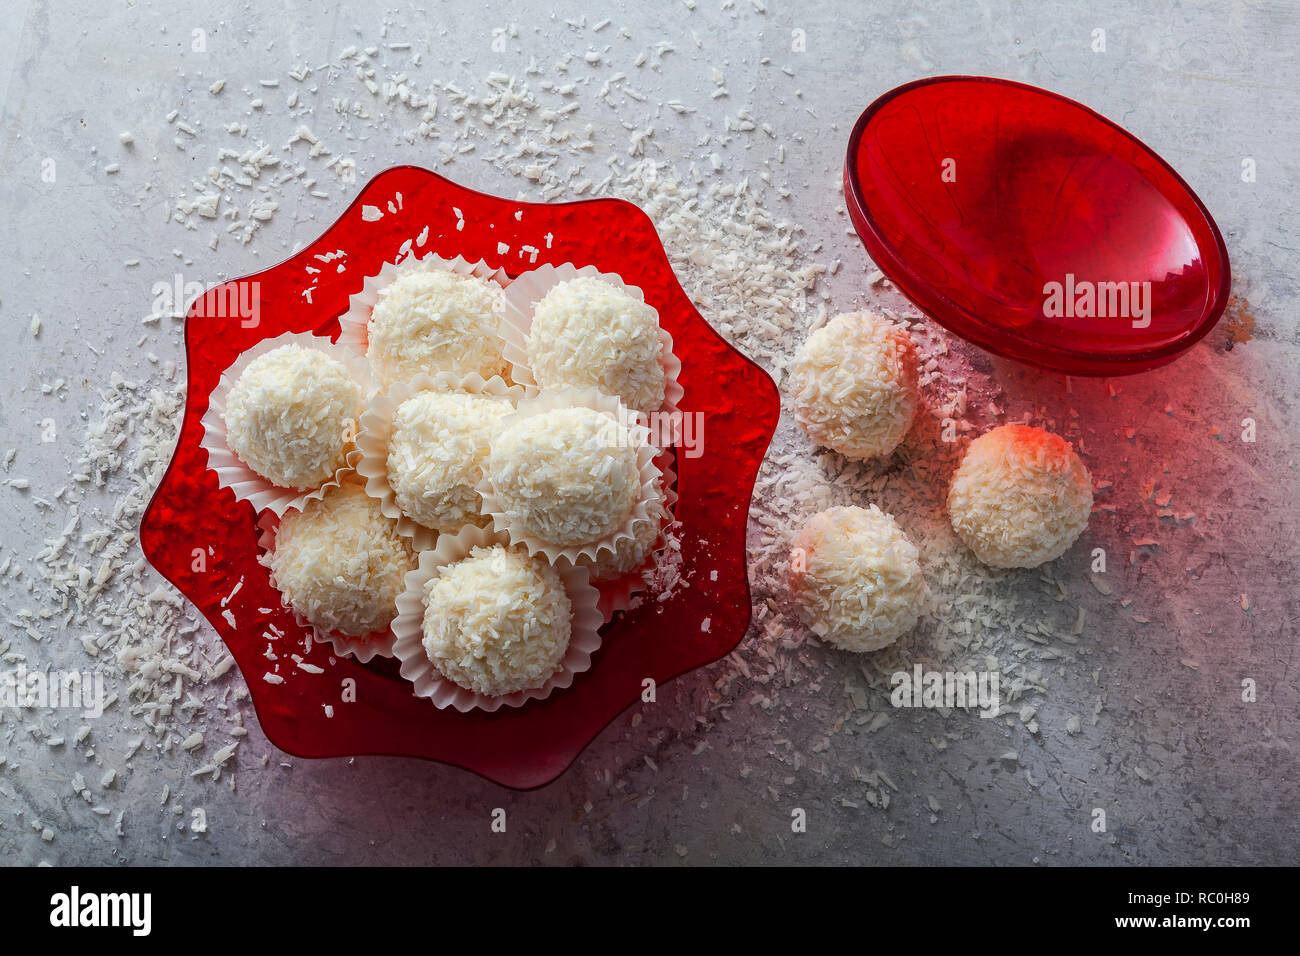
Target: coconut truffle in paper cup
x=630 y=553
x=484 y=625
x=617 y=574
x=423 y=446
x=339 y=565
x=569 y=474
x=282 y=421
x=428 y=315
x=583 y=328
x=622 y=574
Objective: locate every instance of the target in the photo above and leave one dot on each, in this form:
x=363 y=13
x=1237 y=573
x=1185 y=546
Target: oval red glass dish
x=205 y=542
x=1034 y=227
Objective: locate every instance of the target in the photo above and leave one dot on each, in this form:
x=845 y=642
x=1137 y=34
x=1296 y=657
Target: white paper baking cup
x=355 y=322
x=636 y=434
x=377 y=431
x=230 y=469
x=523 y=294
x=379 y=644
x=428 y=681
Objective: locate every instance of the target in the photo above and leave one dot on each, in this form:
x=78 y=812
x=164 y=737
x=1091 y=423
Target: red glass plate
x=1034 y=227
x=205 y=542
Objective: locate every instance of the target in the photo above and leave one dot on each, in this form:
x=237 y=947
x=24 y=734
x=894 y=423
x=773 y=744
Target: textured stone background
x=1205 y=84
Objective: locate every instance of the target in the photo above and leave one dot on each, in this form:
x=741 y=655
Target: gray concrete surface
x=1186 y=771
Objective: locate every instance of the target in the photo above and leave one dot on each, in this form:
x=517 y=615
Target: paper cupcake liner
x=377 y=431
x=616 y=594
x=408 y=628
x=645 y=459
x=230 y=470
x=379 y=644
x=355 y=321
x=528 y=289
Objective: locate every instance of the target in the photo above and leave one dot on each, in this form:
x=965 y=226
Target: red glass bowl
x=205 y=542
x=1001 y=209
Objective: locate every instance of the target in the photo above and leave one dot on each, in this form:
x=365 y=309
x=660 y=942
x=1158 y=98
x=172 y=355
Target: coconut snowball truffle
x=856 y=578
x=340 y=562
x=1020 y=497
x=497 y=621
x=587 y=332
x=291 y=416
x=436 y=321
x=566 y=476
x=439 y=444
x=855 y=385
x=629 y=554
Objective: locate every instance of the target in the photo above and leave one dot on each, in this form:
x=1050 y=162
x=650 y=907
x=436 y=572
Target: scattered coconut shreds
x=91 y=580
x=755 y=276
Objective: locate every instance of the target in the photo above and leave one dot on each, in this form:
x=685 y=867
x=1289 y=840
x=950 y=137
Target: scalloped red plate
x=205 y=542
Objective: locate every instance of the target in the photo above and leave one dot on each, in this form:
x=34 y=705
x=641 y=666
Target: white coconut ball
x=587 y=332
x=1020 y=497
x=854 y=385
x=629 y=554
x=497 y=621
x=436 y=453
x=567 y=476
x=436 y=321
x=340 y=562
x=856 y=578
x=291 y=416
